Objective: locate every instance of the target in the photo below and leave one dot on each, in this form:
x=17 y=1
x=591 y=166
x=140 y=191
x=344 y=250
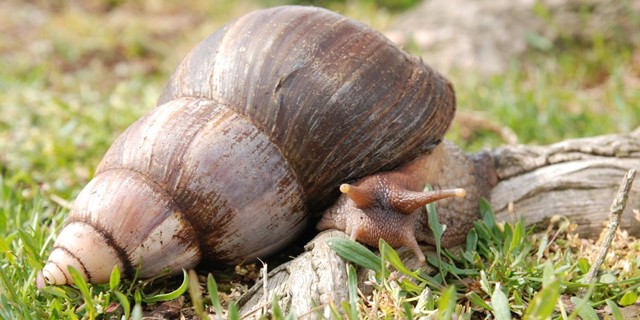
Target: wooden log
x=576 y=179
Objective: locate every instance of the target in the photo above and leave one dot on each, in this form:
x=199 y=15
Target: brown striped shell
x=255 y=131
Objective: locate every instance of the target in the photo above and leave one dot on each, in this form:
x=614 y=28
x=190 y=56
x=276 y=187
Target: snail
x=254 y=132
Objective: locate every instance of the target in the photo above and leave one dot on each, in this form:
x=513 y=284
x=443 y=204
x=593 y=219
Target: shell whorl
x=254 y=132
x=338 y=98
x=122 y=218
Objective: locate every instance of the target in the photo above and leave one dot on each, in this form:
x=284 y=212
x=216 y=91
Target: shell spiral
x=253 y=134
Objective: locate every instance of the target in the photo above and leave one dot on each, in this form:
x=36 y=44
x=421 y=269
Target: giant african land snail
x=255 y=131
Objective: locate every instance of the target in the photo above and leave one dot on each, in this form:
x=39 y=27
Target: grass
x=503 y=271
x=76 y=75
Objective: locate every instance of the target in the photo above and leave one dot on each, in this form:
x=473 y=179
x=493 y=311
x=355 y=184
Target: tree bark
x=576 y=179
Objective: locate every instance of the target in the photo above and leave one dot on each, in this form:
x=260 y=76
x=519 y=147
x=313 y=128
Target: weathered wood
x=577 y=179
x=304 y=286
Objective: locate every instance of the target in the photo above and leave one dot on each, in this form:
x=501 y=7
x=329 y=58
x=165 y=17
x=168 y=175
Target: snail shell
x=256 y=129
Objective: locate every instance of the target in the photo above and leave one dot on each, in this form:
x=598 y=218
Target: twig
x=262 y=307
x=615 y=215
x=265 y=287
x=60 y=201
x=470 y=123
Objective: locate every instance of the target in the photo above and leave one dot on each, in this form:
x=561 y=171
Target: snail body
x=387 y=205
x=254 y=132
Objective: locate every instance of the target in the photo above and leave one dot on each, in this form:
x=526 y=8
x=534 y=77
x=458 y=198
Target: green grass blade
x=171 y=295
x=434 y=224
x=212 y=287
x=437 y=229
x=629 y=298
x=356 y=253
x=114 y=278
x=82 y=285
x=447 y=304
x=196 y=294
x=583 y=265
x=543 y=302
x=489 y=219
x=55 y=292
x=276 y=310
x=615 y=310
x=352 y=282
x=478 y=301
x=584 y=309
x=548 y=274
x=408 y=315
x=6 y=252
x=500 y=304
x=335 y=313
x=124 y=302
x=410 y=286
x=517 y=238
x=137 y=296
x=8 y=289
x=390 y=255
x=471 y=243
x=234 y=313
